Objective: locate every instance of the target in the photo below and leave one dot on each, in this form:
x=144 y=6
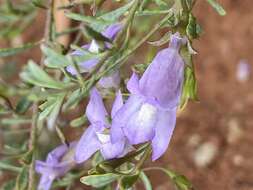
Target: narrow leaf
x=99 y=180
x=78 y=121
x=33 y=74
x=217 y=7
x=128 y=181
x=54 y=59
x=6 y=166
x=23 y=105
x=87 y=19
x=12 y=51
x=22 y=179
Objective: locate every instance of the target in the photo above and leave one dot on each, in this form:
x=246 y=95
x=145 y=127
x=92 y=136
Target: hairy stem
x=48 y=36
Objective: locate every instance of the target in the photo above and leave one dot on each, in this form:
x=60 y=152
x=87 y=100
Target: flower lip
x=58 y=162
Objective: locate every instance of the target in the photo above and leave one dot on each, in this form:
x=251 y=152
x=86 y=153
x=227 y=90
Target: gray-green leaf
x=99 y=180
x=33 y=74
x=13 y=51
x=217 y=7
x=22 y=179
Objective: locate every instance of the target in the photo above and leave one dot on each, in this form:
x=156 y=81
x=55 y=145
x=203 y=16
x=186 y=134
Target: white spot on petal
x=94 y=47
x=146 y=114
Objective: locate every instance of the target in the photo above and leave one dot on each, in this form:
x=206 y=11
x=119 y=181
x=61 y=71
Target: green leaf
x=22 y=179
x=127 y=182
x=53 y=58
x=153 y=12
x=23 y=105
x=182 y=183
x=78 y=121
x=217 y=7
x=39 y=3
x=74 y=98
x=190 y=83
x=51 y=108
x=192 y=28
x=161 y=4
x=145 y=181
x=96 y=35
x=187 y=5
x=114 y=15
x=27 y=157
x=95 y=23
x=33 y=74
x=4 y=165
x=99 y=180
x=14 y=121
x=13 y=51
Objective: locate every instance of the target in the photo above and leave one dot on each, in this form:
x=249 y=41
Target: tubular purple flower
x=96 y=136
x=58 y=163
x=110 y=81
x=150 y=112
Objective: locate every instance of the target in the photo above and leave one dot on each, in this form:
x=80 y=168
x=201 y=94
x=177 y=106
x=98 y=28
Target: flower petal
x=133 y=84
x=118 y=103
x=110 y=151
x=87 y=145
x=78 y=52
x=55 y=155
x=163 y=78
x=112 y=31
x=85 y=66
x=42 y=167
x=176 y=41
x=110 y=81
x=121 y=118
x=95 y=110
x=45 y=183
x=141 y=125
x=165 y=125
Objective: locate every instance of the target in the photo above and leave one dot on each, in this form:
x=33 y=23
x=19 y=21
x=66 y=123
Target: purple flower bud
x=58 y=163
x=150 y=112
x=111 y=81
x=97 y=137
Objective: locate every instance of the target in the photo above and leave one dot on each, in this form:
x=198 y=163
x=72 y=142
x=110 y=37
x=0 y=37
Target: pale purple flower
x=150 y=112
x=58 y=163
x=96 y=136
x=109 y=81
x=243 y=71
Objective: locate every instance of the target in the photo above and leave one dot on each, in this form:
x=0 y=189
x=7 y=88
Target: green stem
x=170 y=173
x=48 y=36
x=131 y=51
x=119 y=37
x=32 y=145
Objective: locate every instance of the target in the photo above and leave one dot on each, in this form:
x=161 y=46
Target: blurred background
x=212 y=143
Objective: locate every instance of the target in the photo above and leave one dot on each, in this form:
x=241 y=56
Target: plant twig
x=116 y=44
x=122 y=59
x=48 y=36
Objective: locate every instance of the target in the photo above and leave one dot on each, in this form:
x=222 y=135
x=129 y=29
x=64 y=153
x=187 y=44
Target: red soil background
x=222 y=118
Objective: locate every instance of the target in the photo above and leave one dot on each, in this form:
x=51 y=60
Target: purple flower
x=58 y=163
x=112 y=80
x=150 y=112
x=96 y=136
